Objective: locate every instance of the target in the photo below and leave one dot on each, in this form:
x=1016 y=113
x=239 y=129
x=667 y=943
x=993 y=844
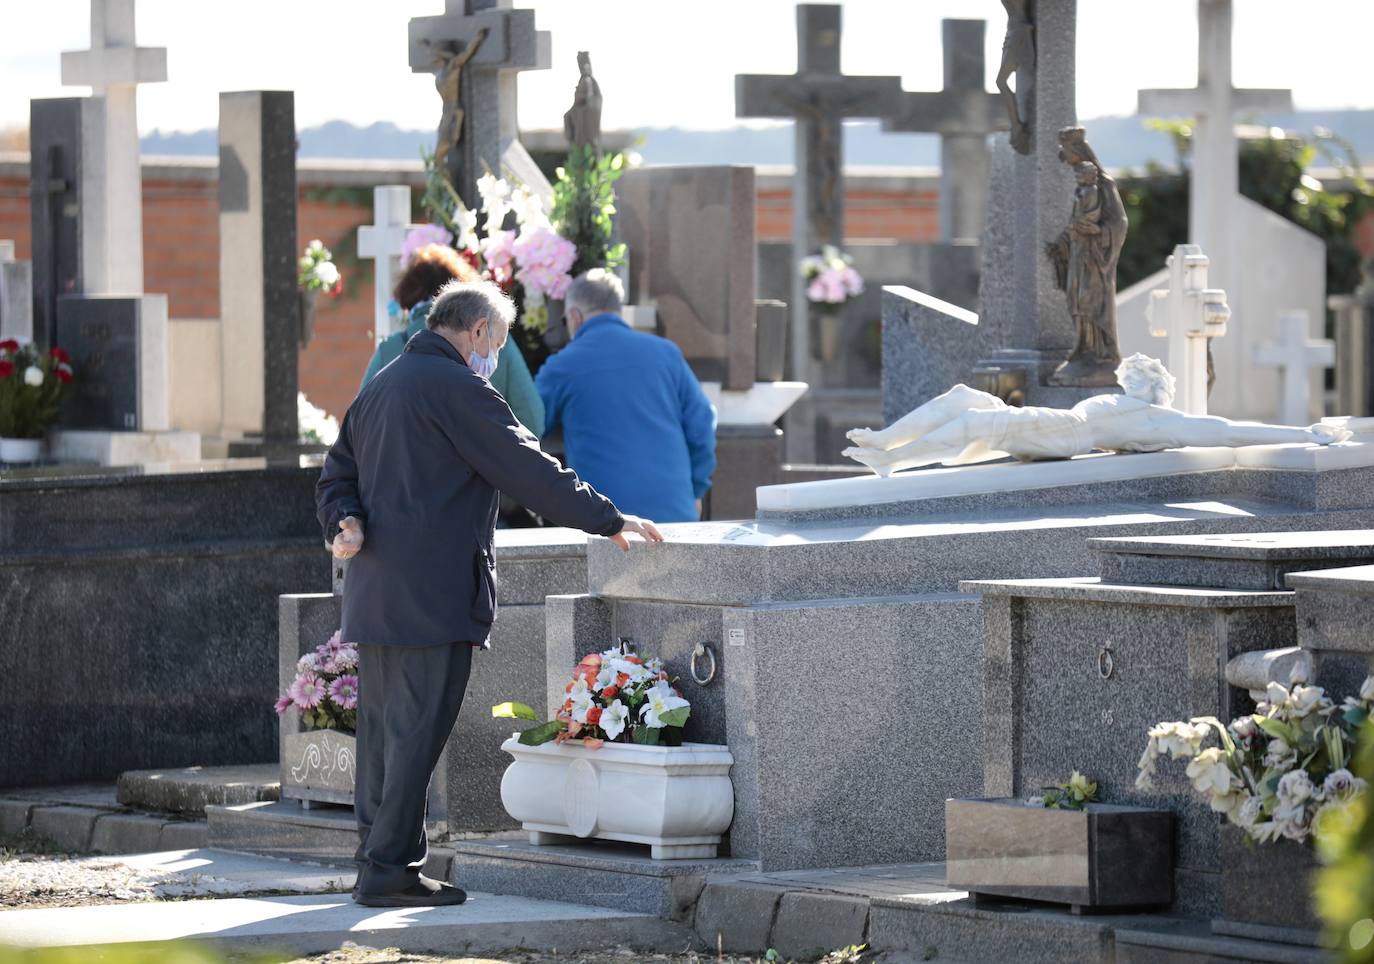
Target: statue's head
x=1073 y=145
x=584 y=62
x=1085 y=172
x=1146 y=378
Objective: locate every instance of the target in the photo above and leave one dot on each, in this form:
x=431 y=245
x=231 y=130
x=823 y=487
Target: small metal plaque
x=735 y=637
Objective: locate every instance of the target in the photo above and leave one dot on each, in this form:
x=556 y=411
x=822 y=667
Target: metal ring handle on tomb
x=1106 y=662
x=704 y=649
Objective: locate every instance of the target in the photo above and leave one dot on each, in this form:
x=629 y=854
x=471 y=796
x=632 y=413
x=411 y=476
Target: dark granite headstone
x=691 y=232
x=59 y=131
x=102 y=335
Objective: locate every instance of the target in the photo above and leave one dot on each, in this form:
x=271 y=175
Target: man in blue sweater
x=636 y=424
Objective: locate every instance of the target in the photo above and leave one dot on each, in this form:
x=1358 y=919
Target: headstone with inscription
x=118 y=346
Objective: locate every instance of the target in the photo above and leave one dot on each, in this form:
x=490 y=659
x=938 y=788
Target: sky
x=660 y=63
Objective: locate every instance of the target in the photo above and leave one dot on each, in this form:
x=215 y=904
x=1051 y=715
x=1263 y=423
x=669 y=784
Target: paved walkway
x=319 y=919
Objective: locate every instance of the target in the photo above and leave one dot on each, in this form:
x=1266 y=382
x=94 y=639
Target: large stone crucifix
x=479 y=47
x=113 y=68
x=1214 y=103
x=963 y=114
x=818 y=97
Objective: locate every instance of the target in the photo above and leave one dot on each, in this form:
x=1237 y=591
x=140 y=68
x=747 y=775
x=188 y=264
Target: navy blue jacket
x=421 y=456
x=636 y=423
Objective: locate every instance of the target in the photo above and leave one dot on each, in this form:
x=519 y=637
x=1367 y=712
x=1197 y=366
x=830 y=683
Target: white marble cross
x=1188 y=313
x=113 y=68
x=383 y=241
x=1295 y=354
x=1214 y=104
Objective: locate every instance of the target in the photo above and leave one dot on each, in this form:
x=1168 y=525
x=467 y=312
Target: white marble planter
x=678 y=800
x=319 y=766
x=20 y=451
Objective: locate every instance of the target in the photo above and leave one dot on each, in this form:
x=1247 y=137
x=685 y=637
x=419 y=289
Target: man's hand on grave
x=640 y=527
x=349 y=539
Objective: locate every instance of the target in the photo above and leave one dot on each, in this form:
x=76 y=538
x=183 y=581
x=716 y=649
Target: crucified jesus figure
x=1018 y=57
x=449 y=62
x=965 y=425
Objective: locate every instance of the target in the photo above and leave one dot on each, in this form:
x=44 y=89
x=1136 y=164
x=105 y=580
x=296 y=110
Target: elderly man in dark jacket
x=409 y=492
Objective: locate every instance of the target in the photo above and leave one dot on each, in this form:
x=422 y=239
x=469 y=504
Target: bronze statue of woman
x=582 y=122
x=1085 y=256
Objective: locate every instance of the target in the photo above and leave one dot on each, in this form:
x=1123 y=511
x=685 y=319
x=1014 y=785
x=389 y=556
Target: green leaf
x=543 y=733
x=1276 y=729
x=676 y=717
x=645 y=735
x=514 y=711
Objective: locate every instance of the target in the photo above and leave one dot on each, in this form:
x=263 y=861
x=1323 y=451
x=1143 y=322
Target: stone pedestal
x=747 y=456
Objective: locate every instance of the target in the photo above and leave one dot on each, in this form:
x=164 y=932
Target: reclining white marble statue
x=965 y=425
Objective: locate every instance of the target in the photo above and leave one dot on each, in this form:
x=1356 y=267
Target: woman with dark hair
x=432 y=267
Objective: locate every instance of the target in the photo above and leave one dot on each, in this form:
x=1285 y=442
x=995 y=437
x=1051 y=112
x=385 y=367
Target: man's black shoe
x=423 y=893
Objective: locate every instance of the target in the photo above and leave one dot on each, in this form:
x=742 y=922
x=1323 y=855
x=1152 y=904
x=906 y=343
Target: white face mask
x=484 y=365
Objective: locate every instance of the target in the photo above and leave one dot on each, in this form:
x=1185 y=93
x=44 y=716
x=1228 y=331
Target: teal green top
x=511 y=378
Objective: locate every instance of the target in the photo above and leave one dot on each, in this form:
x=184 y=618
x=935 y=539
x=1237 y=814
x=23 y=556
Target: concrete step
x=1198 y=945
x=191 y=789
x=602 y=873
x=326 y=834
x=315 y=923
x=86 y=818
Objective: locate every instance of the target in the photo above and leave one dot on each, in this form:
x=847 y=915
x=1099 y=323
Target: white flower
x=1229 y=803
x=307 y=663
x=1291 y=822
x=1340 y=785
x=605 y=677
x=661 y=699
x=466 y=223
x=635 y=671
x=529 y=208
x=1180 y=740
x=1303 y=700
x=326 y=273
x=315 y=421
x=1297 y=675
x=613 y=719
x=1367 y=690
x=307 y=263
x=1280 y=754
x=1295 y=789
x=316 y=246
x=33 y=376
x=1209 y=772
x=495 y=195
x=1035 y=801
x=1249 y=813
x=1275 y=697
x=654 y=665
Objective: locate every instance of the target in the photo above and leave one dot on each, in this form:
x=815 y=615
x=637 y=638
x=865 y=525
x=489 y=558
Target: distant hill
x=1120 y=141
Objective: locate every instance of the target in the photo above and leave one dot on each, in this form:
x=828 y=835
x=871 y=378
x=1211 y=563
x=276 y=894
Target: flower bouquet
x=831 y=278
x=325 y=690
x=317 y=273
x=1280 y=777
x=32 y=384
x=1278 y=773
x=614 y=697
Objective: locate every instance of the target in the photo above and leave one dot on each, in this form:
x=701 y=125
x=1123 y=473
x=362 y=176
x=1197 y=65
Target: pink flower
x=498 y=252
x=344 y=692
x=283 y=704
x=306 y=691
x=421 y=235
x=853 y=282
x=544 y=260
x=815 y=291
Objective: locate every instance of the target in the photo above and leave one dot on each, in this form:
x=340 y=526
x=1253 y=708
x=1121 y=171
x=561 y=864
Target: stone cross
x=16 y=295
x=383 y=240
x=818 y=97
x=1188 y=313
x=1214 y=103
x=964 y=113
x=487 y=88
x=113 y=68
x=1295 y=354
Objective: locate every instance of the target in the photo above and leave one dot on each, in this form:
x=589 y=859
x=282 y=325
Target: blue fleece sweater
x=636 y=424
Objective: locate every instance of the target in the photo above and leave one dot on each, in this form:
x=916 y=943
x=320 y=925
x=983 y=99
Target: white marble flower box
x=678 y=800
x=319 y=766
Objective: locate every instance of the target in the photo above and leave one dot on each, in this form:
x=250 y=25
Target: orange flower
x=610 y=692
x=594 y=716
x=621 y=680
x=593 y=744
x=632 y=658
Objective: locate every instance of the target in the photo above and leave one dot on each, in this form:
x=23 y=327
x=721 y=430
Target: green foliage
x=1345 y=887
x=1076 y=794
x=1272 y=174
x=514 y=711
x=543 y=733
x=182 y=952
x=439 y=200
x=584 y=206
x=27 y=410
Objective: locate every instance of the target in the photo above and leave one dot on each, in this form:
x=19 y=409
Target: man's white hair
x=1146 y=378
x=596 y=292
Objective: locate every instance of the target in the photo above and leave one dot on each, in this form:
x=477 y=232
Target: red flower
x=9 y=345
x=64 y=374
x=6 y=369
x=61 y=355
x=610 y=692
x=594 y=716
